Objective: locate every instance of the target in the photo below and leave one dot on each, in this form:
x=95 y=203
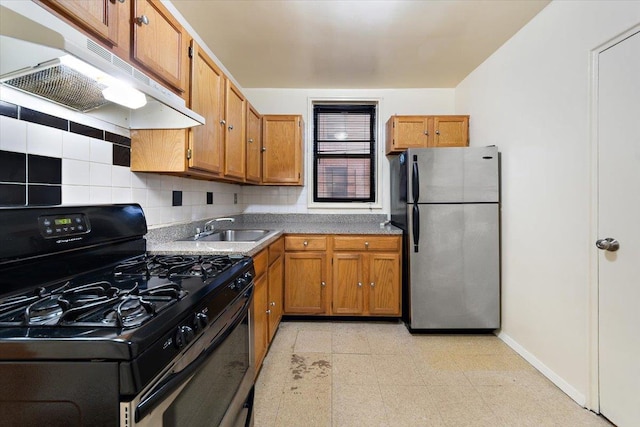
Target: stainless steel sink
x=230 y=236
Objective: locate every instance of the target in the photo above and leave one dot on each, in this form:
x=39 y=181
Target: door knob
x=608 y=244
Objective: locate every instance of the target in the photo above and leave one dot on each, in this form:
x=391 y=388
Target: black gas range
x=95 y=331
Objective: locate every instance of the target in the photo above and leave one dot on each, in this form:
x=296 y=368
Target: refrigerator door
x=454 y=277
x=453 y=175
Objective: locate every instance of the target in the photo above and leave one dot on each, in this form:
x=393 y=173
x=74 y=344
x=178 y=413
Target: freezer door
x=454 y=277
x=453 y=175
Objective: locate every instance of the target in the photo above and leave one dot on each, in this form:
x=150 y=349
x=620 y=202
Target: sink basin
x=230 y=236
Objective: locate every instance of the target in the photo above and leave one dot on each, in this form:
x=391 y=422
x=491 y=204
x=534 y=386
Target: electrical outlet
x=235 y=198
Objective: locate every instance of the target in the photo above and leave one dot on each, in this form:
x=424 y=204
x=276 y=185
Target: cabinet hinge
x=190 y=52
x=298 y=123
x=189 y=153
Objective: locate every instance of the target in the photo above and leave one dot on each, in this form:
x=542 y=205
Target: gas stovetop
x=124 y=297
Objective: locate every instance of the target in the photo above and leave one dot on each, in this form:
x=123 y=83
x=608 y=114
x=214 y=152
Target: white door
x=619 y=219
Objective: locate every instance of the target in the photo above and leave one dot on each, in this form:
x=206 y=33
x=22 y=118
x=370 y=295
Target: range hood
x=35 y=49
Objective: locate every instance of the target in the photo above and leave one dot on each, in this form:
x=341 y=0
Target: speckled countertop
x=165 y=240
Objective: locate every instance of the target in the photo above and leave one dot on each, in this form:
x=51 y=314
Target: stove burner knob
x=200 y=321
x=184 y=335
x=248 y=277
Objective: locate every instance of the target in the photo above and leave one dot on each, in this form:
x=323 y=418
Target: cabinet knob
x=366 y=245
x=250 y=140
x=437 y=132
x=323 y=284
x=305 y=243
x=273 y=304
x=372 y=284
x=359 y=284
x=223 y=122
x=426 y=132
x=140 y=20
x=230 y=127
x=264 y=148
x=268 y=311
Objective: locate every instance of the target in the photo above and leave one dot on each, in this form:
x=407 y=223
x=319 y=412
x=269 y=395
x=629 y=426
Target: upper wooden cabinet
x=198 y=151
x=234 y=140
x=404 y=132
x=207 y=99
x=282 y=149
x=254 y=145
x=160 y=44
x=106 y=20
x=142 y=32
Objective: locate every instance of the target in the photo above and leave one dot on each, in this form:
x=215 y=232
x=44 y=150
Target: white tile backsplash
x=89 y=177
x=101 y=151
x=120 y=176
x=100 y=174
x=44 y=141
x=13 y=135
x=76 y=146
x=75 y=172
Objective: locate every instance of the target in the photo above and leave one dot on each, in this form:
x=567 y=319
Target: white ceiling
x=357 y=43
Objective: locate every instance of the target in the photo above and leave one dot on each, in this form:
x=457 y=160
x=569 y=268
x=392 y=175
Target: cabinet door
x=206 y=99
x=98 y=17
x=254 y=145
x=275 y=277
x=411 y=132
x=305 y=283
x=160 y=45
x=260 y=320
x=234 y=141
x=450 y=131
x=384 y=284
x=347 y=284
x=282 y=152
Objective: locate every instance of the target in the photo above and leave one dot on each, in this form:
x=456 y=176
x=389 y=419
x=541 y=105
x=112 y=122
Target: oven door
x=211 y=384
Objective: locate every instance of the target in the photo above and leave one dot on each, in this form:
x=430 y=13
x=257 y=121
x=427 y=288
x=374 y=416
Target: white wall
x=297 y=101
x=532 y=99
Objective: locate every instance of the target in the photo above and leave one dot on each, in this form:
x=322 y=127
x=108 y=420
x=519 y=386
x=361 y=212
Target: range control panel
x=63 y=225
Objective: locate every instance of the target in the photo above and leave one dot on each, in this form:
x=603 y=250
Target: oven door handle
x=173 y=381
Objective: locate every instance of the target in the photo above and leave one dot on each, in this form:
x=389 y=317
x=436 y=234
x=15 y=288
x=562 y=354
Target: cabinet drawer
x=260 y=263
x=366 y=243
x=305 y=243
x=275 y=250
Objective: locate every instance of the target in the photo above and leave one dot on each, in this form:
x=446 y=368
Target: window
x=344 y=153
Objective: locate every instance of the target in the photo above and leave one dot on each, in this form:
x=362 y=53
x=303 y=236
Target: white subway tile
x=100 y=174
x=101 y=151
x=120 y=176
x=138 y=180
x=75 y=172
x=44 y=140
x=139 y=195
x=76 y=194
x=100 y=194
x=121 y=195
x=75 y=146
x=13 y=135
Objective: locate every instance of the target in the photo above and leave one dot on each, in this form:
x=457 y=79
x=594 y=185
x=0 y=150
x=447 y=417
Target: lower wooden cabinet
x=266 y=309
x=367 y=283
x=343 y=275
x=305 y=283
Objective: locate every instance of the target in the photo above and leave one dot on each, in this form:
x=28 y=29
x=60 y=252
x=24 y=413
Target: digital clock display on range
x=62 y=221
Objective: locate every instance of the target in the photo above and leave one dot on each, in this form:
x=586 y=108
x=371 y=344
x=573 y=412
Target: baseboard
x=571 y=391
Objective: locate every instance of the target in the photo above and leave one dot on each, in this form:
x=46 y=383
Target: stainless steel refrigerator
x=447 y=201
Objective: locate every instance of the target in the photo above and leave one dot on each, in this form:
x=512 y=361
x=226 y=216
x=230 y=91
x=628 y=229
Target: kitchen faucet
x=209 y=225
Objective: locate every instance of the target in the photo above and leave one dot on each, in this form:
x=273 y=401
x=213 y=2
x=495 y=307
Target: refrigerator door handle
x=416 y=227
x=415 y=184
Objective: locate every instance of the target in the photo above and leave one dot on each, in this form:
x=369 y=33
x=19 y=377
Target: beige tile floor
x=349 y=374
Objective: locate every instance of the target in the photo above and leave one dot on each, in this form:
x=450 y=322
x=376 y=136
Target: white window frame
x=338 y=207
